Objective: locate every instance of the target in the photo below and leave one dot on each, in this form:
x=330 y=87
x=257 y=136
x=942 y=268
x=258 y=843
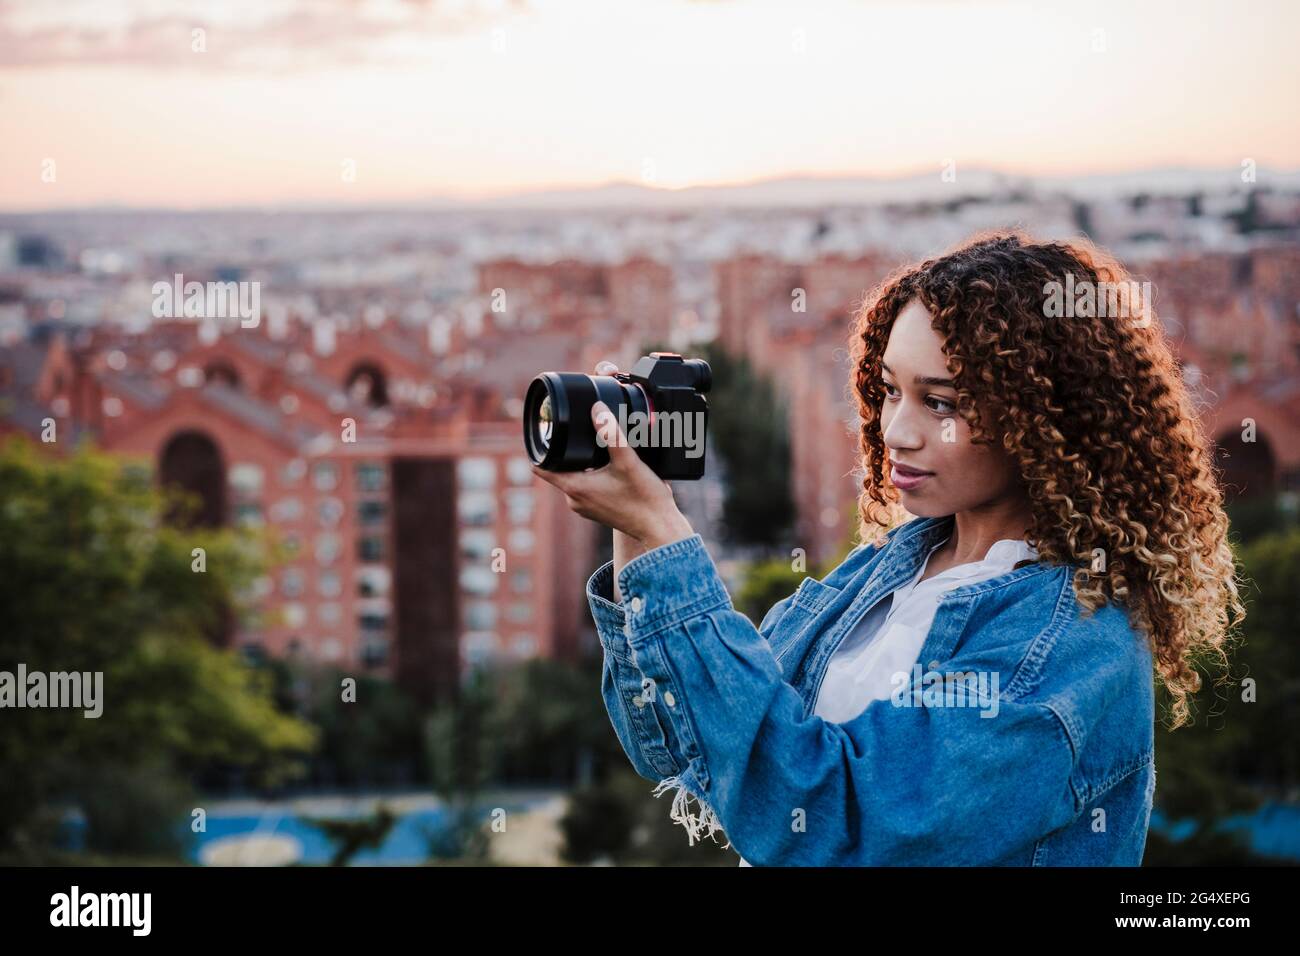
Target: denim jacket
x=1023 y=736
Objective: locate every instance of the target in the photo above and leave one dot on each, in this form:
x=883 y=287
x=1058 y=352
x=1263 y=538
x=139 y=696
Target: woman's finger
x=550 y=477
x=611 y=435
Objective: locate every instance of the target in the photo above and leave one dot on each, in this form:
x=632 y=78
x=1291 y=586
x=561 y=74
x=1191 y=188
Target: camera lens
x=558 y=431
x=545 y=423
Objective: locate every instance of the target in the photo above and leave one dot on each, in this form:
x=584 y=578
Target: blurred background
x=338 y=619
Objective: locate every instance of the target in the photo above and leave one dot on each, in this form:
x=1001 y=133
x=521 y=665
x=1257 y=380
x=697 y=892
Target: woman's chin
x=918 y=505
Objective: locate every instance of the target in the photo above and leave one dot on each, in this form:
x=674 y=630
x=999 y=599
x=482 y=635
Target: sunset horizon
x=191 y=105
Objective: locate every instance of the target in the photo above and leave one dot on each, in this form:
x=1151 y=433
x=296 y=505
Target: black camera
x=659 y=405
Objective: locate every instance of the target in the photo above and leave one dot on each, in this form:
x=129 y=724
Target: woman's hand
x=625 y=494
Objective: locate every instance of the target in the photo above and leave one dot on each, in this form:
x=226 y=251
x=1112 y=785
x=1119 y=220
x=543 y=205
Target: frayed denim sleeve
x=898 y=785
x=629 y=697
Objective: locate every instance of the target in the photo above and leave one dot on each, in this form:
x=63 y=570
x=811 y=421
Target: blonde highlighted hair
x=1094 y=410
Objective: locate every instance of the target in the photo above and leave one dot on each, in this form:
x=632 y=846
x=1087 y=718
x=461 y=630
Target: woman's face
x=922 y=428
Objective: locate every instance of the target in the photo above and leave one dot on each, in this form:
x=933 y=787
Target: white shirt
x=890 y=636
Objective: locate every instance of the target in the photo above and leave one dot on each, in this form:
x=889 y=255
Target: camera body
x=659 y=405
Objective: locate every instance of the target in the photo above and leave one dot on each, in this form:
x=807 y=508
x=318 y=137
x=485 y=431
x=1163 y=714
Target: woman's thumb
x=608 y=434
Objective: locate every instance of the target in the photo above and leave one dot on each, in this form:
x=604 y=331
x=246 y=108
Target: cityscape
x=372 y=413
x=275 y=281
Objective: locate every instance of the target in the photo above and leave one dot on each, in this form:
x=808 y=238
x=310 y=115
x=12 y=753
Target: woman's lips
x=905 y=481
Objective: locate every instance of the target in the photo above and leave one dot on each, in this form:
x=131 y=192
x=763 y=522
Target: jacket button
x=635 y=605
x=638 y=700
x=669 y=699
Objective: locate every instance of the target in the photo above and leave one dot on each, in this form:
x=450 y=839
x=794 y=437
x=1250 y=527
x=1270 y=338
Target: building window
x=248 y=514
x=374 y=651
x=295 y=615
x=520 y=612
x=370 y=548
x=325 y=476
x=328 y=584
x=477 y=543
x=331 y=649
x=293 y=473
x=521 y=580
x=519 y=471
x=371 y=476
x=246 y=478
x=329 y=614
x=292 y=583
x=519 y=502
x=476 y=508
x=480 y=647
x=478 y=580
x=286 y=509
x=292 y=544
x=476 y=473
x=373 y=582
x=373 y=621
x=372 y=512
x=329 y=511
x=524 y=645
x=253 y=652
x=481 y=615
x=521 y=541
x=327 y=548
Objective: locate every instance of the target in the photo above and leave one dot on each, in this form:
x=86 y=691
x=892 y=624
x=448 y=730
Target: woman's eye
x=947 y=407
x=888 y=389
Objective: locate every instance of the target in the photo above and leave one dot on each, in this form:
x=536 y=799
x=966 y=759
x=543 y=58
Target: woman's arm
x=896 y=785
x=625 y=549
x=636 y=711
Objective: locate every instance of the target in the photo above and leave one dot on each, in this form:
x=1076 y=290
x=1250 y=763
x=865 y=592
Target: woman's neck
x=977 y=530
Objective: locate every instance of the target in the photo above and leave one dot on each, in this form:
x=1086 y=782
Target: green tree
x=748 y=428
x=92 y=580
x=550 y=722
x=463 y=756
x=1243 y=747
x=372 y=741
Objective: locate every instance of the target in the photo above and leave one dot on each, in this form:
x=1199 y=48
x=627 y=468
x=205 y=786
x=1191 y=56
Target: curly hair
x=1093 y=408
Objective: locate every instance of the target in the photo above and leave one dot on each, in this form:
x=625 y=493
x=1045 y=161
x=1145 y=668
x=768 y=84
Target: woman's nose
x=902 y=432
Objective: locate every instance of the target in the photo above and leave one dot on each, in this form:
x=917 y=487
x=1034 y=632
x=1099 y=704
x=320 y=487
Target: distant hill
x=803 y=191
x=816 y=191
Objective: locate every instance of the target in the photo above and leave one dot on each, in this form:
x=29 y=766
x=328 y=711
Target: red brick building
x=418 y=543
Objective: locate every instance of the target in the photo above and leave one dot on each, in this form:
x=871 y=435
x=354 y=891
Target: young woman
x=974 y=685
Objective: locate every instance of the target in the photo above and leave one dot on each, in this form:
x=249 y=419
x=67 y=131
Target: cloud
x=293 y=35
